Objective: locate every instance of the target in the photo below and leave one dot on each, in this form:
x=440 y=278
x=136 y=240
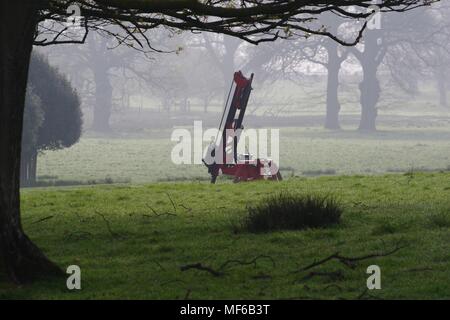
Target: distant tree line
x=412 y=47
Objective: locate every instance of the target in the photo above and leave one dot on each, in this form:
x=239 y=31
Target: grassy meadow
x=138 y=232
x=145 y=158
x=132 y=240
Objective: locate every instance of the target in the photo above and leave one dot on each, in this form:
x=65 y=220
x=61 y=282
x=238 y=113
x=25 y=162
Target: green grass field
x=303 y=152
x=130 y=240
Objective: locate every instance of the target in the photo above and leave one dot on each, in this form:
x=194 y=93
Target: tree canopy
x=254 y=21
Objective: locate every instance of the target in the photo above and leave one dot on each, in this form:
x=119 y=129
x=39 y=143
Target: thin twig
x=108 y=225
x=334 y=275
x=202 y=267
x=156 y=214
x=365 y=295
x=188 y=293
x=185 y=208
x=253 y=261
x=43 y=219
x=172 y=281
x=349 y=261
x=159 y=265
x=362 y=294
x=333 y=286
x=317 y=263
x=173 y=203
x=78 y=235
x=262 y=276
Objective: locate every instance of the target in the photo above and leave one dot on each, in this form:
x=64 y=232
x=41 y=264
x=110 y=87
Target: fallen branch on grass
x=173 y=203
x=202 y=267
x=78 y=235
x=349 y=261
x=43 y=219
x=188 y=293
x=362 y=294
x=243 y=263
x=221 y=271
x=156 y=214
x=185 y=208
x=366 y=296
x=333 y=275
x=172 y=281
x=420 y=269
x=159 y=265
x=262 y=276
x=108 y=225
x=79 y=216
x=333 y=285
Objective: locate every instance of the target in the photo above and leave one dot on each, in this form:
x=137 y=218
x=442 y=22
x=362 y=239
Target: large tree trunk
x=333 y=105
x=21 y=259
x=205 y=105
x=441 y=79
x=33 y=168
x=103 y=100
x=370 y=94
x=369 y=87
x=24 y=165
x=28 y=168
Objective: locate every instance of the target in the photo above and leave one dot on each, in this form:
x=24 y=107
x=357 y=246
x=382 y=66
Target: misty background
x=379 y=107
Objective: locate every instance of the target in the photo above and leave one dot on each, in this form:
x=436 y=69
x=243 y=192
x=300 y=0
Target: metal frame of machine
x=222 y=156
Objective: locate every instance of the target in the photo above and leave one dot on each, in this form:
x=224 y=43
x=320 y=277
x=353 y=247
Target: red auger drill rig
x=222 y=154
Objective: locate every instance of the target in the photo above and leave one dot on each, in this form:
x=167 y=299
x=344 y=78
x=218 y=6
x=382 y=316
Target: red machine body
x=222 y=156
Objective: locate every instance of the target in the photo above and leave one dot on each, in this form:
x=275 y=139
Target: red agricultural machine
x=222 y=156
